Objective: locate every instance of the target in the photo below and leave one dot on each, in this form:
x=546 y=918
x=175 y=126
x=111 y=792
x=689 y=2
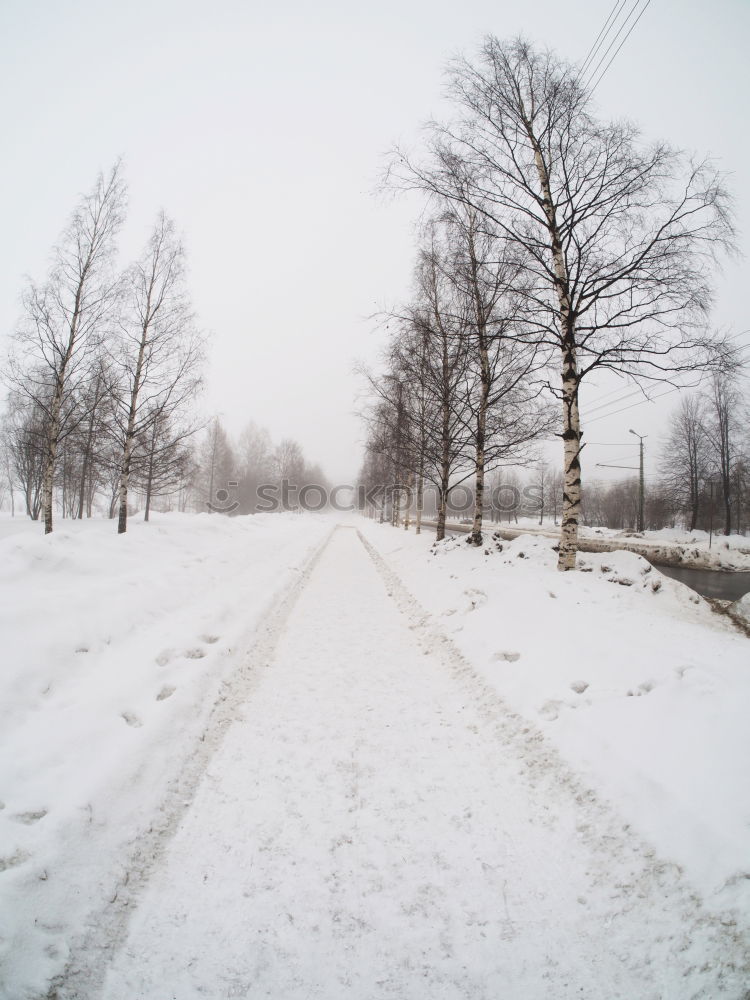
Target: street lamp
x=710 y=483
x=640 y=483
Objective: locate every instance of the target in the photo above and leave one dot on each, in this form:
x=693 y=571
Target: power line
x=604 y=32
x=613 y=392
x=620 y=29
x=601 y=75
x=613 y=42
x=613 y=402
x=650 y=399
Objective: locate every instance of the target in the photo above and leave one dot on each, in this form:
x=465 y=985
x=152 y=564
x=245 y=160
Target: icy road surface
x=377 y=824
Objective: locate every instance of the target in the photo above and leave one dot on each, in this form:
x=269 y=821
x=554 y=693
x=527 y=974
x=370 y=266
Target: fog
x=263 y=132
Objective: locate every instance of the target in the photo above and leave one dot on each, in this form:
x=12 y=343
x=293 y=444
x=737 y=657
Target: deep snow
x=632 y=676
x=114 y=651
x=374 y=825
x=239 y=760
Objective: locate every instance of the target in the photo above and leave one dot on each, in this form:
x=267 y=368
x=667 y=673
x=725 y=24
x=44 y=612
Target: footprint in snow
x=507 y=656
x=211 y=639
x=550 y=710
x=132 y=720
x=194 y=654
x=476 y=597
x=13 y=860
x=164 y=657
x=166 y=692
x=31 y=817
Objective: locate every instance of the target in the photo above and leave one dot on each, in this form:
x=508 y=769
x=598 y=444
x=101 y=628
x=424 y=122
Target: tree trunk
x=444 y=481
x=442 y=511
x=727 y=510
x=572 y=464
x=122 y=521
x=571 y=434
x=407 y=502
x=475 y=538
x=49 y=478
x=86 y=463
x=420 y=497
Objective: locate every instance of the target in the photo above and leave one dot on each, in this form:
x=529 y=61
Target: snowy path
x=376 y=824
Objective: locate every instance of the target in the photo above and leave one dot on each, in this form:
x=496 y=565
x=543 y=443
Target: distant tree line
x=555 y=246
x=252 y=473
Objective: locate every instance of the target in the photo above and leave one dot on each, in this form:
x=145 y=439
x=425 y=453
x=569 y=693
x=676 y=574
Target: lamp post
x=711 y=514
x=641 y=522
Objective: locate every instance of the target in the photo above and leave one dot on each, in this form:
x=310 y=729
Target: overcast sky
x=262 y=132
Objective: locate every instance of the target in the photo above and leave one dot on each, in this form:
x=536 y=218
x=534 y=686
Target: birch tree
x=723 y=422
x=440 y=321
x=685 y=460
x=215 y=467
x=618 y=239
x=24 y=436
x=160 y=352
x=502 y=392
x=66 y=318
x=166 y=462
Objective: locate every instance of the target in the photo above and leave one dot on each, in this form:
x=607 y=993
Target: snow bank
x=641 y=687
x=669 y=546
x=114 y=651
x=741 y=608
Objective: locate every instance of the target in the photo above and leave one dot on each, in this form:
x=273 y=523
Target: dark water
x=710 y=582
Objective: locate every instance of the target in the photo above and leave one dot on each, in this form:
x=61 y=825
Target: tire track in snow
x=377 y=824
x=639 y=879
x=106 y=932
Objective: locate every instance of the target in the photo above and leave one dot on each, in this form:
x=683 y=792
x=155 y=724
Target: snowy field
x=275 y=757
x=114 y=651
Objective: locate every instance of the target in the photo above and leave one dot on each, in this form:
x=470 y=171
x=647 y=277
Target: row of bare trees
x=600 y=251
x=460 y=392
x=103 y=370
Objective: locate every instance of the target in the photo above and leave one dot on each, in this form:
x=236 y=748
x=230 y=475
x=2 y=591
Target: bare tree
x=685 y=458
x=166 y=463
x=723 y=420
x=440 y=320
x=503 y=388
x=215 y=466
x=541 y=483
x=65 y=319
x=24 y=437
x=159 y=352
x=289 y=470
x=617 y=239
x=255 y=464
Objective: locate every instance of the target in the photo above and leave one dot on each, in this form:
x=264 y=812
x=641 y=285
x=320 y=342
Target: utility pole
x=641 y=521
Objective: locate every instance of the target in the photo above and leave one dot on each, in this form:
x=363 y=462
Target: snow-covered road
x=377 y=824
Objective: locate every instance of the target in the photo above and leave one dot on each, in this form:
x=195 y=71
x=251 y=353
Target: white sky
x=262 y=132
